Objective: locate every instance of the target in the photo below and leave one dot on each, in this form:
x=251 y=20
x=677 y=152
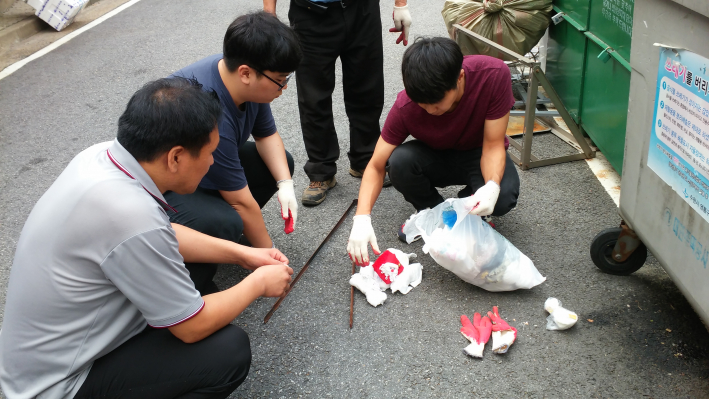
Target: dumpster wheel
x=602 y=249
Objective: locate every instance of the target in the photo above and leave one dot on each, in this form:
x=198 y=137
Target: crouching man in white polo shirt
x=99 y=303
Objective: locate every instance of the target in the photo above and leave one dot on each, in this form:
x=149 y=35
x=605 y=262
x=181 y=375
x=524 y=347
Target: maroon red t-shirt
x=487 y=95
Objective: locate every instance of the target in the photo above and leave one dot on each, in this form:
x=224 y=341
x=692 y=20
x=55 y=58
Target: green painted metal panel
x=565 y=64
x=578 y=10
x=604 y=109
x=612 y=22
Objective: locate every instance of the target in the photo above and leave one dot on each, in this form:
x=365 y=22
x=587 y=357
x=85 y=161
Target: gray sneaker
x=317 y=191
x=359 y=173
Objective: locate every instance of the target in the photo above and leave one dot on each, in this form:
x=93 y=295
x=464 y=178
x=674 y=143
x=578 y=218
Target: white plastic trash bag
x=471 y=249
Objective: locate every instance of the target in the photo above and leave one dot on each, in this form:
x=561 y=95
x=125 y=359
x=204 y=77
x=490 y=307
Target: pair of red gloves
x=478 y=333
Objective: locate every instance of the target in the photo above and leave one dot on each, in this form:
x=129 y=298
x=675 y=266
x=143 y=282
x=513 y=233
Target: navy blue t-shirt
x=235 y=126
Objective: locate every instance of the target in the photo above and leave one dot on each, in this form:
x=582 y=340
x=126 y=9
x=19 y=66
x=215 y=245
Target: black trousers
x=355 y=35
x=416 y=169
x=207 y=212
x=156 y=364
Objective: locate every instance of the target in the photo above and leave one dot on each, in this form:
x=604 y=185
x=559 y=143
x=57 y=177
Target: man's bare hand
x=254 y=258
x=274 y=279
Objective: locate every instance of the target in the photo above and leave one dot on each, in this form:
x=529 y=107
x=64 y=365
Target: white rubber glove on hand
x=482 y=203
x=286 y=197
x=362 y=234
x=402 y=23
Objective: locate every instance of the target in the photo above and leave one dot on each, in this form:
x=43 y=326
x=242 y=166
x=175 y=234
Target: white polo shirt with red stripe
x=97 y=261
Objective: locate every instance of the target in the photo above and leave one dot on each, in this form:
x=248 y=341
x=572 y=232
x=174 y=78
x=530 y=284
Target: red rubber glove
x=477 y=332
x=289 y=223
x=503 y=335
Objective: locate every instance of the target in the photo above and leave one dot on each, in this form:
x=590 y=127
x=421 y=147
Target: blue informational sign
x=679 y=146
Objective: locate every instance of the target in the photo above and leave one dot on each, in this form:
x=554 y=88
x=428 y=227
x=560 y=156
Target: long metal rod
x=352 y=298
x=305 y=267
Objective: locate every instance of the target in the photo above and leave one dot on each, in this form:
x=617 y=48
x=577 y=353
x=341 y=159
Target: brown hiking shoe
x=317 y=191
x=359 y=173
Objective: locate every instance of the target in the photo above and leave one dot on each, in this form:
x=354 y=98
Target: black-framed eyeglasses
x=280 y=86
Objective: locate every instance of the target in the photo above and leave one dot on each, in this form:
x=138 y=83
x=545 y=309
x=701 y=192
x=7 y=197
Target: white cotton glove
x=289 y=205
x=402 y=23
x=362 y=234
x=409 y=279
x=370 y=285
x=482 y=203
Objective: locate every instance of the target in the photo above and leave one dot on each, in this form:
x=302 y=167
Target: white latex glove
x=286 y=197
x=482 y=203
x=362 y=234
x=402 y=23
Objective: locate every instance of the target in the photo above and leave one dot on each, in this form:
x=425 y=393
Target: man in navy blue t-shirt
x=260 y=54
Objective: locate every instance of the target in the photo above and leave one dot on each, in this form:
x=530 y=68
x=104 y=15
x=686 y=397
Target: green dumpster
x=566 y=54
x=577 y=10
x=606 y=86
x=588 y=65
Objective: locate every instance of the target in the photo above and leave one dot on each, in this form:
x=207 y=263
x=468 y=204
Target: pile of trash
x=471 y=249
x=515 y=24
x=392 y=270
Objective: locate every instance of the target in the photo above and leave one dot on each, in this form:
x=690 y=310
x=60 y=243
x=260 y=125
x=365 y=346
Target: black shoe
x=402 y=236
x=359 y=173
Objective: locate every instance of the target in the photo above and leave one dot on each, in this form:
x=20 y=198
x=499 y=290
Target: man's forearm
x=273 y=154
x=219 y=310
x=254 y=226
x=370 y=189
x=492 y=163
x=270 y=6
x=196 y=247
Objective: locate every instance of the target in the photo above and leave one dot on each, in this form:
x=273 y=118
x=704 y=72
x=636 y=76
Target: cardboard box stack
x=58 y=13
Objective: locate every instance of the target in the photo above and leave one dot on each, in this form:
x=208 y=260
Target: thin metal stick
x=352 y=298
x=305 y=267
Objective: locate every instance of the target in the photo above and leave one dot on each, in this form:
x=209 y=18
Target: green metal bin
x=606 y=85
x=612 y=22
x=566 y=53
x=577 y=10
x=588 y=65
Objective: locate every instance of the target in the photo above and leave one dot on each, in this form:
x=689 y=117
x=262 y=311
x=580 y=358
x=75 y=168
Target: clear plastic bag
x=471 y=249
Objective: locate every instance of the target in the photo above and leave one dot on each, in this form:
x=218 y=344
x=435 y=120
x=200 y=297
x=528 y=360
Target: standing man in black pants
x=351 y=30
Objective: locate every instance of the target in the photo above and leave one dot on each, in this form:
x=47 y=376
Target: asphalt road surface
x=636 y=337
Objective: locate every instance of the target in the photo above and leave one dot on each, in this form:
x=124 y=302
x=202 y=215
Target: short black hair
x=430 y=68
x=261 y=41
x=166 y=113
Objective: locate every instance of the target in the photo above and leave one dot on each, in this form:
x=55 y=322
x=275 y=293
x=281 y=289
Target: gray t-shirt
x=96 y=260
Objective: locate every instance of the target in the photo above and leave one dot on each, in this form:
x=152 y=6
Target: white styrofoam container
x=60 y=13
x=36 y=4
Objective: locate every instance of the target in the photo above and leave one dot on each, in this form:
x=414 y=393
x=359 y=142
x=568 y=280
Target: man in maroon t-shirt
x=457 y=109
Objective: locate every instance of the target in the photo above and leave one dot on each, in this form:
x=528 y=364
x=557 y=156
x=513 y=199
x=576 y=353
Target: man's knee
x=226 y=224
x=401 y=165
x=507 y=199
x=230 y=352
